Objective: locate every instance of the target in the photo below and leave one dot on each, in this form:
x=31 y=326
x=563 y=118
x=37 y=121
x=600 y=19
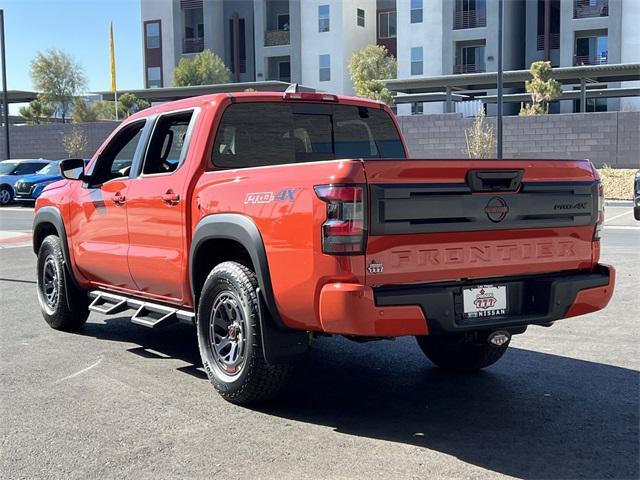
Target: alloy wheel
x=227 y=333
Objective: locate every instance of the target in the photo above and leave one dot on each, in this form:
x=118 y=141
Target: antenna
x=293 y=88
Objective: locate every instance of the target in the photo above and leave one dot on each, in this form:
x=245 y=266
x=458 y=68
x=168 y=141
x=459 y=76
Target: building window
x=193 y=41
x=360 y=17
x=242 y=53
x=591 y=49
x=387 y=25
x=283 y=22
x=417 y=108
x=470 y=14
x=554 y=25
x=470 y=59
x=593 y=105
x=416 y=11
x=284 y=71
x=590 y=8
x=325 y=68
x=152 y=33
x=154 y=77
x=416 y=61
x=323 y=18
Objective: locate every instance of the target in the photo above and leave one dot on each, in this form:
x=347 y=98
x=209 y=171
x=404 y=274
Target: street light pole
x=500 y=72
x=5 y=97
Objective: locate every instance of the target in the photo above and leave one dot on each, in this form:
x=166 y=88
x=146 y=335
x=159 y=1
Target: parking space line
x=617 y=216
x=84 y=370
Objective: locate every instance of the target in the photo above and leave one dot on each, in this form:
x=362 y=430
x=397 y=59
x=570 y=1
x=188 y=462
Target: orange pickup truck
x=267 y=219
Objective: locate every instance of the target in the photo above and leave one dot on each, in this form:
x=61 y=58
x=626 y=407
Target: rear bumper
x=353 y=309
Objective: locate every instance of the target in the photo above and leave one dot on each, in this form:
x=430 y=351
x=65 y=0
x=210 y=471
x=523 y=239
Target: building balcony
x=276 y=37
x=468 y=68
x=590 y=8
x=579 y=60
x=554 y=41
x=469 y=19
x=192 y=45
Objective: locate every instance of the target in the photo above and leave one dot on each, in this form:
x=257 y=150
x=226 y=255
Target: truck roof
x=255 y=97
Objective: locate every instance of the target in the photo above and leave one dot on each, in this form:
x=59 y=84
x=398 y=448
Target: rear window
x=258 y=134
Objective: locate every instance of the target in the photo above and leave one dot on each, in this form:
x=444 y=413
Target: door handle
x=119 y=199
x=171 y=198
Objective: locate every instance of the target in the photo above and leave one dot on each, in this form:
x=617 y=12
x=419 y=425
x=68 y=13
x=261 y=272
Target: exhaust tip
x=499 y=338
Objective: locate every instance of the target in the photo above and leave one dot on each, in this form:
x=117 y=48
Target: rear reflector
x=344 y=231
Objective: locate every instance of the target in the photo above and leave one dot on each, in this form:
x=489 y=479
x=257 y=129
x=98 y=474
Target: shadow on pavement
x=532 y=415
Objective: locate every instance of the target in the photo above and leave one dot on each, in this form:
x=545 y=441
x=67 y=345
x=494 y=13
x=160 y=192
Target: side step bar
x=147 y=314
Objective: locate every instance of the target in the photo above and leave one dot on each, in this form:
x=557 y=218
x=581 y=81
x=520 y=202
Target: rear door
x=434 y=220
x=156 y=209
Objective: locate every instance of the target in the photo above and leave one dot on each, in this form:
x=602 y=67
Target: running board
x=147 y=314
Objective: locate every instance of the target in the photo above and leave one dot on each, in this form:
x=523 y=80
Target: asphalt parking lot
x=119 y=401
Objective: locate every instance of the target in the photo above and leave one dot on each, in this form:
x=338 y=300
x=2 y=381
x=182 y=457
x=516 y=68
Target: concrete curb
x=619 y=203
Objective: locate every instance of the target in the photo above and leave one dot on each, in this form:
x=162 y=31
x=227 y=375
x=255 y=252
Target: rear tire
x=636 y=212
x=460 y=354
x=63 y=305
x=229 y=337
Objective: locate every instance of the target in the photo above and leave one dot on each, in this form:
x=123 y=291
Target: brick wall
x=611 y=138
x=45 y=141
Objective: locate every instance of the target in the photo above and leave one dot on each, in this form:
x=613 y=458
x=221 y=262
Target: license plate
x=484 y=301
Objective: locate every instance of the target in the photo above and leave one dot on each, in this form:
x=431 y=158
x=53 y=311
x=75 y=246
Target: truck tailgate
x=440 y=220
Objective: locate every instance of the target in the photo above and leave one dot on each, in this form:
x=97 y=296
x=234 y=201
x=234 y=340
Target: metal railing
x=468 y=68
x=554 y=41
x=579 y=60
x=469 y=19
x=192 y=45
x=276 y=37
x=590 y=8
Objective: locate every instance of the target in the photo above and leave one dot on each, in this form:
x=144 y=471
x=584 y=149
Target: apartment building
x=311 y=41
x=176 y=29
x=454 y=37
x=585 y=32
x=259 y=39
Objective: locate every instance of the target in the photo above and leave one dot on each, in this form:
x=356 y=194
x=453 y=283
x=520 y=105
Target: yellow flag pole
x=112 y=55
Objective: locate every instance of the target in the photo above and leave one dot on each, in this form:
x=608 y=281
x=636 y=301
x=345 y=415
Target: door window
x=116 y=159
x=168 y=143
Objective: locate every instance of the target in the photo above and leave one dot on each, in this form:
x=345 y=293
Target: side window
x=116 y=159
x=258 y=134
x=168 y=143
x=27 y=168
x=254 y=134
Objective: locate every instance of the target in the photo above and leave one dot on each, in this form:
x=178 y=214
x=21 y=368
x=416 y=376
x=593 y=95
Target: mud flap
x=279 y=346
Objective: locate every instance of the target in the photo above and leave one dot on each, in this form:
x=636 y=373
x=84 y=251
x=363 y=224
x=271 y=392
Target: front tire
x=458 y=353
x=6 y=195
x=63 y=305
x=229 y=337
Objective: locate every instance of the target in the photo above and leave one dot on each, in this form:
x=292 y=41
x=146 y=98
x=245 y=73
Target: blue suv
x=11 y=171
x=31 y=186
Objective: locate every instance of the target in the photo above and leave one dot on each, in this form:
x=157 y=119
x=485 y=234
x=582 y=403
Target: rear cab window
x=260 y=134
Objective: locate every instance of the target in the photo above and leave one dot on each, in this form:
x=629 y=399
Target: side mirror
x=72 y=169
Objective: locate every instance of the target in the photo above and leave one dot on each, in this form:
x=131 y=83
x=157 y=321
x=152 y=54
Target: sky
x=80 y=28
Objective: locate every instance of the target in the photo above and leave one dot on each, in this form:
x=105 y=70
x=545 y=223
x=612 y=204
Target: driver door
x=99 y=219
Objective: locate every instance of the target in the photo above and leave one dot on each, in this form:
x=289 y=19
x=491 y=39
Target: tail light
x=344 y=232
x=600 y=213
x=310 y=96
